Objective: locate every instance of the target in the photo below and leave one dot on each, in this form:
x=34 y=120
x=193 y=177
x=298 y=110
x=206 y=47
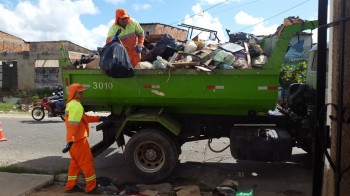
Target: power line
x=201 y=12
x=235 y=7
x=274 y=16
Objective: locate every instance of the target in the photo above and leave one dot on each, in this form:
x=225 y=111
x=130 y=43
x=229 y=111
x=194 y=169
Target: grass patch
x=60 y=171
x=21 y=170
x=6 y=107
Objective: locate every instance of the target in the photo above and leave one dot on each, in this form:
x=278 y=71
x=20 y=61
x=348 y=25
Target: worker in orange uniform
x=131 y=36
x=77 y=144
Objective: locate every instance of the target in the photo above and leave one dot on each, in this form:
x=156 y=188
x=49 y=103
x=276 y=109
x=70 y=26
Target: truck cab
x=312 y=67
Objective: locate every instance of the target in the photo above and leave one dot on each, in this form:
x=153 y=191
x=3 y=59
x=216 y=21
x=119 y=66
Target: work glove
x=114 y=38
x=67 y=148
x=103 y=118
x=138 y=48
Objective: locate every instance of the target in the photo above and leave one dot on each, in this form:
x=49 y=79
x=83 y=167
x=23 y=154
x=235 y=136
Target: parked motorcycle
x=48 y=105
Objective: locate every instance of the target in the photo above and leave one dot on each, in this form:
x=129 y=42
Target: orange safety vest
x=131 y=35
x=77 y=122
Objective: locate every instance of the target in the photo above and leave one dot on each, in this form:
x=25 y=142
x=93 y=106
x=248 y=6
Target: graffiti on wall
x=47 y=77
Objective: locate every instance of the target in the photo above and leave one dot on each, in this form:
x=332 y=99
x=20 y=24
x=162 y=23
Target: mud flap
x=109 y=130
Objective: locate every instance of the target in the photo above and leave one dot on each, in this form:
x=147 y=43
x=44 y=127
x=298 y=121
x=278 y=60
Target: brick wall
x=157 y=28
x=10 y=43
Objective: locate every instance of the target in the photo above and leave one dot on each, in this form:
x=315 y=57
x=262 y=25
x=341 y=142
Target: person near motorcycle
x=77 y=144
x=57 y=102
x=60 y=101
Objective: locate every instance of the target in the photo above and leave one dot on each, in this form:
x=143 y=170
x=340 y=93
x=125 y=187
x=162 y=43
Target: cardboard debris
x=93 y=64
x=191 y=190
x=231 y=47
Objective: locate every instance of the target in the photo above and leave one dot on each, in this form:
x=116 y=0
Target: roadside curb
x=45 y=181
x=15 y=115
x=23 y=184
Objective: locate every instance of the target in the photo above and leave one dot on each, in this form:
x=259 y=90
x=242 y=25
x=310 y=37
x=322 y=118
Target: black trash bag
x=114 y=60
x=242 y=37
x=166 y=47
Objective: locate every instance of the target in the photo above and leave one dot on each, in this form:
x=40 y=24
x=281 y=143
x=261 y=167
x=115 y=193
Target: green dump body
x=193 y=91
x=235 y=92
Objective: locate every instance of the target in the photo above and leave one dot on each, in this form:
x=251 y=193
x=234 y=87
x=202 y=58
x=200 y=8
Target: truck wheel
x=152 y=155
x=38 y=113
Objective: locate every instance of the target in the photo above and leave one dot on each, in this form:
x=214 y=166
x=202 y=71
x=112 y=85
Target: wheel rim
x=149 y=157
x=38 y=113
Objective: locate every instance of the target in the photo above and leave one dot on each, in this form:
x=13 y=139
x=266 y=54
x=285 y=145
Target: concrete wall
x=47 y=77
x=26 y=66
x=30 y=78
x=157 y=28
x=54 y=46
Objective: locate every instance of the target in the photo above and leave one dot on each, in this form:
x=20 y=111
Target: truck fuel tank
x=261 y=144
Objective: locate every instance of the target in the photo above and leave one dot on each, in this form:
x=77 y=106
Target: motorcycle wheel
x=38 y=113
x=62 y=117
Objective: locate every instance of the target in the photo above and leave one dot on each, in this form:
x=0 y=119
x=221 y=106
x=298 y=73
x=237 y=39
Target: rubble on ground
x=108 y=186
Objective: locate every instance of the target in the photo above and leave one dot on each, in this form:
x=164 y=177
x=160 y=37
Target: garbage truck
x=155 y=112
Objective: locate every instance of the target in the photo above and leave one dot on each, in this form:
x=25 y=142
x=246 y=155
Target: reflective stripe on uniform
x=73 y=122
x=90 y=178
x=72 y=177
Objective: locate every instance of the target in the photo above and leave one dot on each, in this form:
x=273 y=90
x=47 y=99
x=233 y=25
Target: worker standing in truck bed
x=131 y=36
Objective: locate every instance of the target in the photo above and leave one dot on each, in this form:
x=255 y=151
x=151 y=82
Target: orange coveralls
x=77 y=131
x=131 y=35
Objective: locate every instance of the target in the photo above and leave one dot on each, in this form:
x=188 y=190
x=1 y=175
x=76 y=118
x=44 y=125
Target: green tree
x=292 y=74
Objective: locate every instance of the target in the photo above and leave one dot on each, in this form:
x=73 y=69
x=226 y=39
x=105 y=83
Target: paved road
x=38 y=145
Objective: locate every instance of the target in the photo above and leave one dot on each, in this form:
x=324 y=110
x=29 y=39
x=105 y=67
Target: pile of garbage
x=244 y=53
x=107 y=186
x=163 y=52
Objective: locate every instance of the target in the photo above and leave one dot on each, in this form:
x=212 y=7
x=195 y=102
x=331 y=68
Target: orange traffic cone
x=2 y=136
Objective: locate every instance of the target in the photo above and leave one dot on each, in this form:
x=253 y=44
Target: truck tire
x=38 y=113
x=152 y=155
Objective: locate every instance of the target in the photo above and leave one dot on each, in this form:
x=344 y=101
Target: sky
x=86 y=22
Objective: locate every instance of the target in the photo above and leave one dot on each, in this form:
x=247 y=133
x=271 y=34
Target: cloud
x=260 y=29
x=207 y=21
x=246 y=19
x=214 y=2
x=51 y=20
x=254 y=25
x=138 y=6
x=115 y=2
